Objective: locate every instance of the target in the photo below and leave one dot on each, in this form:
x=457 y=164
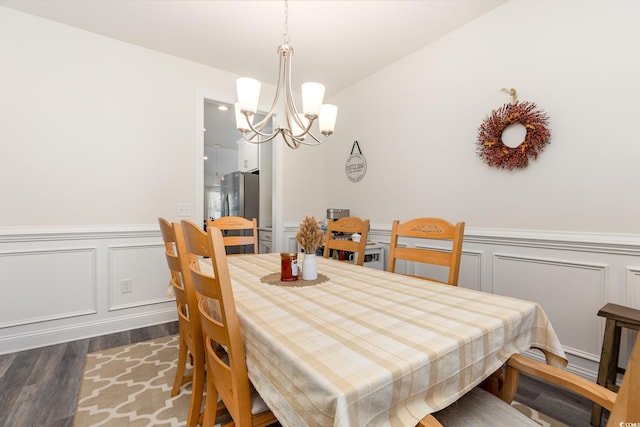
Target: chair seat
x=479 y=408
x=257 y=403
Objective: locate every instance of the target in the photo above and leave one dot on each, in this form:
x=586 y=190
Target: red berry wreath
x=496 y=153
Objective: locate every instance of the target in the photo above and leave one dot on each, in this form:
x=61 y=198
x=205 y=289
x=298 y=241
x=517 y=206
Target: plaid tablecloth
x=373 y=348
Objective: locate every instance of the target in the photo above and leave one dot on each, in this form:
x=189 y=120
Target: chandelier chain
x=286 y=22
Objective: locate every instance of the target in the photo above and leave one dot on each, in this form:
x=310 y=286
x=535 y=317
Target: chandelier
x=297 y=126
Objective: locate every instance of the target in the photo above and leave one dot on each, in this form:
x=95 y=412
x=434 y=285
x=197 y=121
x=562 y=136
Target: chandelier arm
x=257 y=131
x=288 y=135
x=317 y=141
x=291 y=142
x=302 y=141
x=290 y=105
x=305 y=130
x=259 y=141
x=261 y=124
x=276 y=98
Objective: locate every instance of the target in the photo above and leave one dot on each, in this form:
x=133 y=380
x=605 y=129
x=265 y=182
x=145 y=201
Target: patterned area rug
x=131 y=386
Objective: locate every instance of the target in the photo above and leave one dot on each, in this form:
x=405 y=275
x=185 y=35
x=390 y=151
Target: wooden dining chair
x=188 y=321
x=231 y=227
x=227 y=376
x=618 y=318
x=480 y=406
x=347 y=226
x=428 y=228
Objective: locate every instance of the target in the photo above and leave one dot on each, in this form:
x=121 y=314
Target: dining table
x=364 y=347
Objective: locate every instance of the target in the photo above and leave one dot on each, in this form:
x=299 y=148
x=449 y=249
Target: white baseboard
x=77 y=331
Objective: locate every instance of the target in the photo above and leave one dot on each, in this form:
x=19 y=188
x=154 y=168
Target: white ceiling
x=336 y=42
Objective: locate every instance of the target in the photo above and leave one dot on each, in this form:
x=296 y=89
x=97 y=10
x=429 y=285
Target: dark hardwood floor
x=40 y=387
x=563 y=405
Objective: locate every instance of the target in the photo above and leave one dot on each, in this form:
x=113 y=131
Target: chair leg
x=510 y=384
x=210 y=405
x=608 y=364
x=494 y=382
x=182 y=361
x=197 y=389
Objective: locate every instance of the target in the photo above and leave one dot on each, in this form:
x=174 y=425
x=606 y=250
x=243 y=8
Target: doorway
x=226 y=154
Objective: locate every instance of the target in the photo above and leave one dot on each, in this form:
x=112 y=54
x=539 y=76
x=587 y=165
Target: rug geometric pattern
x=131 y=386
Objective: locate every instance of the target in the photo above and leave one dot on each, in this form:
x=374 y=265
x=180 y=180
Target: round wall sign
x=356 y=165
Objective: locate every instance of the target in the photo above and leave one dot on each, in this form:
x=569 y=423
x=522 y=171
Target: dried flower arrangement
x=310 y=235
x=490 y=146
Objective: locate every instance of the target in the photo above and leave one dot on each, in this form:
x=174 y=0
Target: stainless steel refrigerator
x=240 y=194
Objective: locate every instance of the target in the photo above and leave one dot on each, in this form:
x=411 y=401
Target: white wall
x=417 y=121
x=94 y=131
x=97 y=140
x=305 y=183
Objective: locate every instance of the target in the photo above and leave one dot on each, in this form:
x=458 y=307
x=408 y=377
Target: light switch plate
x=126 y=286
x=184 y=210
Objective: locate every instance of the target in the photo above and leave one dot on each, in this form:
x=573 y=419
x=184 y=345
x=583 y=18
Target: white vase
x=309 y=267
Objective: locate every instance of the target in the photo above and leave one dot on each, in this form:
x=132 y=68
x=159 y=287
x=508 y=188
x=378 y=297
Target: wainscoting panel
x=471 y=276
x=633 y=286
x=29 y=290
x=144 y=269
x=63 y=284
x=555 y=284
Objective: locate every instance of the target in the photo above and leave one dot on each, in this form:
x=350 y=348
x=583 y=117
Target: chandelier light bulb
x=312 y=96
x=327 y=119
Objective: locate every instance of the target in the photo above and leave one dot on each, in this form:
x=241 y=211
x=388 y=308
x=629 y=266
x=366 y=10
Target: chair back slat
x=347 y=226
x=429 y=229
x=423 y=255
x=231 y=224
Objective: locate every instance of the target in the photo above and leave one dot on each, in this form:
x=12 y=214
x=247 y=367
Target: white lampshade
x=248 y=94
x=327 y=119
x=241 y=120
x=312 y=96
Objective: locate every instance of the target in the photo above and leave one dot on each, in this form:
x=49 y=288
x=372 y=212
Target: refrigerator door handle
x=225 y=205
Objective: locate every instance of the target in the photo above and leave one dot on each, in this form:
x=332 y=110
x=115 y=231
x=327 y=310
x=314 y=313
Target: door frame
x=276 y=174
